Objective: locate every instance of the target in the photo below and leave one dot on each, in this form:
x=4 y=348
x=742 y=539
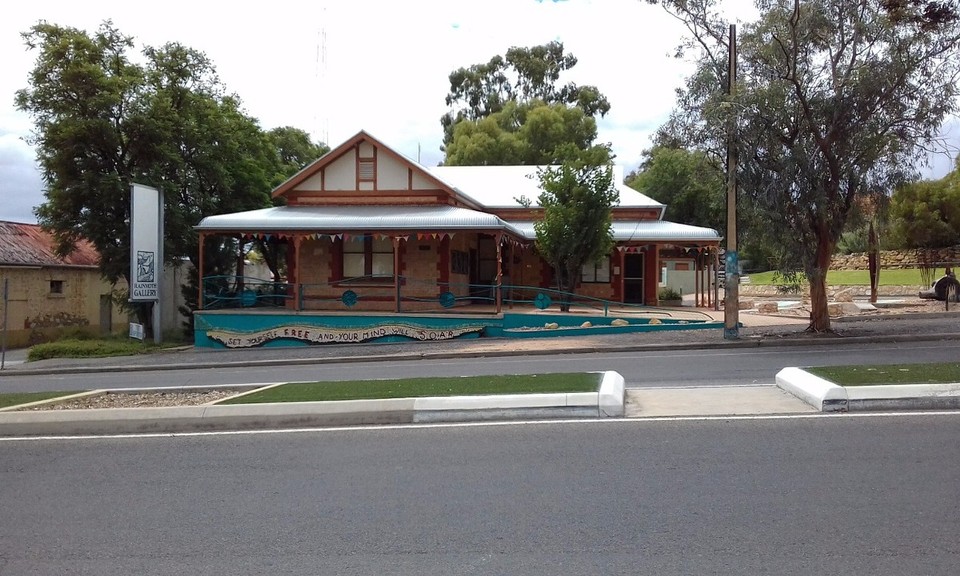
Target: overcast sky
x=335 y=68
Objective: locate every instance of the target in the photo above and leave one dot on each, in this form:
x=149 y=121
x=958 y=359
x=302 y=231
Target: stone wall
x=36 y=312
x=896 y=259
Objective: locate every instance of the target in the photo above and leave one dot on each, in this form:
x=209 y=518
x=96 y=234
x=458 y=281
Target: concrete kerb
x=608 y=401
x=826 y=396
x=214 y=363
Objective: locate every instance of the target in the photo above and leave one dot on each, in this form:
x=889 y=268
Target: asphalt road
x=825 y=495
x=701 y=367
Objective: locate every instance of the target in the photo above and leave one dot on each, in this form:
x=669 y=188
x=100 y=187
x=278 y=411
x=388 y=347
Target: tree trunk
x=819 y=314
x=564 y=291
x=873 y=256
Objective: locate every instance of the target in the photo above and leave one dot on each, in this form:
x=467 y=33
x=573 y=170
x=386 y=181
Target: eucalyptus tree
x=530 y=134
x=521 y=76
x=835 y=102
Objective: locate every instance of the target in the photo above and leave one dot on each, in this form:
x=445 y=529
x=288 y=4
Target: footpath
x=694 y=401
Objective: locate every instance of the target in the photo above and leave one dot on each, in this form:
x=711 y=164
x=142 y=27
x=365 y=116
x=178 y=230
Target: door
x=633 y=278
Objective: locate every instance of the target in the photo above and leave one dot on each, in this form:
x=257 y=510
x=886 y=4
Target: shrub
x=669 y=293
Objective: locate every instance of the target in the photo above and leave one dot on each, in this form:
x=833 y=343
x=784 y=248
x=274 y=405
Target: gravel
x=139 y=400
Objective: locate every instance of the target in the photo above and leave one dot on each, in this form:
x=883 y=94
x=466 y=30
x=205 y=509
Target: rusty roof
x=29 y=245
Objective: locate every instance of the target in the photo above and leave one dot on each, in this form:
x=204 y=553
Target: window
x=366 y=169
x=56 y=286
x=596 y=273
x=366 y=256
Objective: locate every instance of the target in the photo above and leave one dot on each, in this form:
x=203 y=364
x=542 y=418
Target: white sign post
x=146 y=249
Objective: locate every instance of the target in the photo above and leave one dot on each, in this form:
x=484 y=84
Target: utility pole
x=731 y=312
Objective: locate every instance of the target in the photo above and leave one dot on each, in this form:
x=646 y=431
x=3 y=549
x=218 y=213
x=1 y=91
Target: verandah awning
x=428 y=218
x=356 y=219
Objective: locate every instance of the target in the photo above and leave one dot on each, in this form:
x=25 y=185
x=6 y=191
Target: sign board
x=146 y=243
x=136 y=331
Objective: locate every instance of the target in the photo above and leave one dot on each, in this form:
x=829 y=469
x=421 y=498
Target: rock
x=654 y=321
x=586 y=324
x=850 y=309
x=619 y=322
x=842 y=309
x=844 y=295
x=745 y=305
x=551 y=325
x=768 y=308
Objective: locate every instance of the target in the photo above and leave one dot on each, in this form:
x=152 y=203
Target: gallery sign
x=327 y=335
x=146 y=243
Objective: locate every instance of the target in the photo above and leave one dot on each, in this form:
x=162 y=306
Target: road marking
x=447 y=425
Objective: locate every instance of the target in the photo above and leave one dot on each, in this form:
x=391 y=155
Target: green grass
x=91 y=348
x=942 y=373
x=16 y=398
x=891 y=277
x=422 y=387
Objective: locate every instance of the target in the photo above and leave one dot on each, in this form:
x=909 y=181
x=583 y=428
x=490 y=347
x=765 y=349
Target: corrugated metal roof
x=644 y=231
x=28 y=245
x=500 y=186
x=355 y=218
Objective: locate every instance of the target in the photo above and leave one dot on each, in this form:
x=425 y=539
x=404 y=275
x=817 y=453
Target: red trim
x=443 y=262
x=336 y=260
x=651 y=274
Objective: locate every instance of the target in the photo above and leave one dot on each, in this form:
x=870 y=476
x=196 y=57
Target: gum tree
x=836 y=101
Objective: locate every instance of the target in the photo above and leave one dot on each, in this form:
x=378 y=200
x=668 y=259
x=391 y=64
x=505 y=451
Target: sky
x=335 y=68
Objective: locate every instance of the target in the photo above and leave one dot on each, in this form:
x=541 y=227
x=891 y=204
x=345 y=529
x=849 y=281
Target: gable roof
x=500 y=186
x=363 y=136
x=29 y=245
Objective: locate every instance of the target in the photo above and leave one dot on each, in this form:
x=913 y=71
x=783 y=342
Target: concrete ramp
x=712 y=401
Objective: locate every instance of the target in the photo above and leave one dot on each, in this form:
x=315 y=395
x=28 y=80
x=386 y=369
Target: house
x=44 y=294
x=368 y=230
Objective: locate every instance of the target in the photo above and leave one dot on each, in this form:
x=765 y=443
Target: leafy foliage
x=926 y=214
x=103 y=122
x=690 y=183
x=575 y=228
x=528 y=134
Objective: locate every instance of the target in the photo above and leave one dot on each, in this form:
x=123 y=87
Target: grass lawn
x=891 y=277
x=16 y=398
x=943 y=373
x=422 y=387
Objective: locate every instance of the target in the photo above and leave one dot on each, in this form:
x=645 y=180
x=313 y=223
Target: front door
x=633 y=278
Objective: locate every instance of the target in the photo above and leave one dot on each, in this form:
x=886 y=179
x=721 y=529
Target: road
x=840 y=495
x=704 y=367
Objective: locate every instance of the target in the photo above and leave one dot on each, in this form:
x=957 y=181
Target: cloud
x=334 y=68
x=20 y=182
